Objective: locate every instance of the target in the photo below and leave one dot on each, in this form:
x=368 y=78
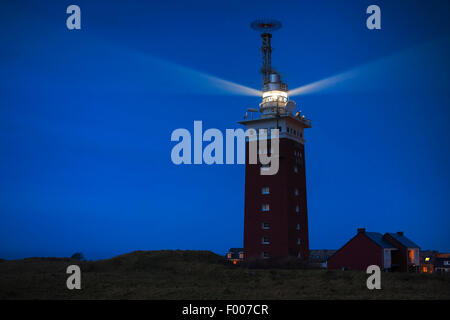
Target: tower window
x=298 y=226
x=298 y=241
x=265 y=226
x=295 y=169
x=265 y=240
x=265 y=255
x=297 y=208
x=265 y=190
x=296 y=191
x=265 y=207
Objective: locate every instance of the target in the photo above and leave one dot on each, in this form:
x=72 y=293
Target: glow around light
x=322 y=84
x=274 y=93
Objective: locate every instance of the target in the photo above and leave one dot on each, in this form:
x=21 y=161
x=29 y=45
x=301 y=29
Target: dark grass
x=204 y=275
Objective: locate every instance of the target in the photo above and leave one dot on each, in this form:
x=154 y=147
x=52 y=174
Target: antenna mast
x=265 y=27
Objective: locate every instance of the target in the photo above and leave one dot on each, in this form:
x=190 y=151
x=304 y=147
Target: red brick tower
x=276 y=220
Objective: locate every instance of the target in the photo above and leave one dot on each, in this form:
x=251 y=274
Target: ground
x=202 y=275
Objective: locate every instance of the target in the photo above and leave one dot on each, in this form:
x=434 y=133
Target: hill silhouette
x=177 y=274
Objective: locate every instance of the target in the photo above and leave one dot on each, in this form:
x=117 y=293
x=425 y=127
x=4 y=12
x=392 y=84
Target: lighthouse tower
x=276 y=219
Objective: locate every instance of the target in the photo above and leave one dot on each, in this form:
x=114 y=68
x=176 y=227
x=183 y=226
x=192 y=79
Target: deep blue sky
x=86 y=118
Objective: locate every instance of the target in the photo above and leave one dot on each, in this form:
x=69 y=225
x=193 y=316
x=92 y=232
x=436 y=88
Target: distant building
x=391 y=252
x=406 y=258
x=427 y=260
x=442 y=262
x=320 y=257
x=235 y=255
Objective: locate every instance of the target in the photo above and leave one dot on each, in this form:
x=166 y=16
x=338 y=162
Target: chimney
x=400 y=233
x=361 y=230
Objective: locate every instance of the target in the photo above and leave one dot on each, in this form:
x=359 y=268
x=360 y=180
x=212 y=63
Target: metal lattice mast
x=266 y=49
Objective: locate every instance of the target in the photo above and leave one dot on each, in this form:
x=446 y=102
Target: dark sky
x=86 y=118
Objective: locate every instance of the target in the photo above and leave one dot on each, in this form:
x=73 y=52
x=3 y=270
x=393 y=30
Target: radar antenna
x=265 y=27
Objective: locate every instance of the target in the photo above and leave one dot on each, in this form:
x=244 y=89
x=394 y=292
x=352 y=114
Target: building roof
x=379 y=240
x=403 y=240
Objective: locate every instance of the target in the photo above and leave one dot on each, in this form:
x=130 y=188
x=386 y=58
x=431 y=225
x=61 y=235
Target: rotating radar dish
x=266 y=25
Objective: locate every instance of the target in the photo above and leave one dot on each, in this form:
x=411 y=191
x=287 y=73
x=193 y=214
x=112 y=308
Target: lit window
x=265 y=240
x=298 y=241
x=297 y=209
x=446 y=263
x=296 y=192
x=265 y=225
x=298 y=226
x=427 y=259
x=265 y=190
x=265 y=207
x=295 y=169
x=241 y=255
x=265 y=255
x=229 y=255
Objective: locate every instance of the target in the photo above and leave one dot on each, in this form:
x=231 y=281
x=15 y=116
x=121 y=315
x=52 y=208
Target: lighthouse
x=276 y=216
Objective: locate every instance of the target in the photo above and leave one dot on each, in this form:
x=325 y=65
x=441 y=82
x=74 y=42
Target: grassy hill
x=201 y=275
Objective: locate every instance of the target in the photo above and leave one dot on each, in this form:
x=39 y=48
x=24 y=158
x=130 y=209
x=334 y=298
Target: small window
x=297 y=208
x=265 y=255
x=265 y=225
x=265 y=240
x=295 y=169
x=241 y=255
x=229 y=255
x=265 y=207
x=296 y=191
x=298 y=226
x=298 y=241
x=265 y=190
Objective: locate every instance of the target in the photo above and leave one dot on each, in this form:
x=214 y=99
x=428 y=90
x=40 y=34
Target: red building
x=391 y=251
x=275 y=219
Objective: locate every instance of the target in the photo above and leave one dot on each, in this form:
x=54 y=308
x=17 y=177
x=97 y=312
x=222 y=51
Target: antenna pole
x=265 y=27
x=266 y=50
